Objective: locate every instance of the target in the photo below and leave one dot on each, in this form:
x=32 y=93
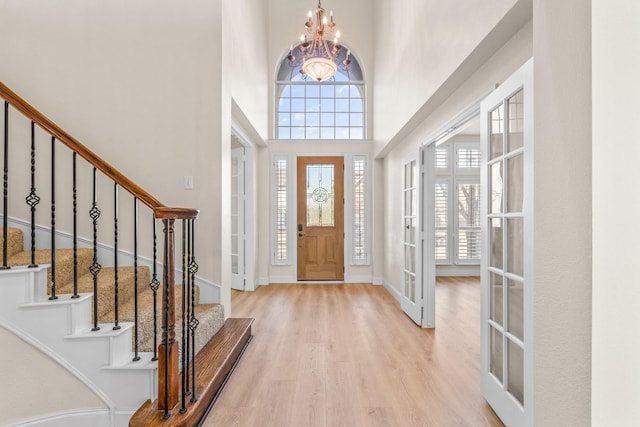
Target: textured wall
x=616 y=294
x=562 y=212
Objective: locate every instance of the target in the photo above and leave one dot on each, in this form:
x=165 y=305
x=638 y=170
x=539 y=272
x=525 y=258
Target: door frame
x=427 y=207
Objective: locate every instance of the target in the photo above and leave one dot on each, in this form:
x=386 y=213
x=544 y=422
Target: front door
x=507 y=259
x=320 y=226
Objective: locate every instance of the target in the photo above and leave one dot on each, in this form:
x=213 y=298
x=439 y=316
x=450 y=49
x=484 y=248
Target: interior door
x=411 y=301
x=507 y=258
x=238 y=219
x=320 y=226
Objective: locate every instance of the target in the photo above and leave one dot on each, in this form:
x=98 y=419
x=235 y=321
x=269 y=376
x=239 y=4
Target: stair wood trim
x=214 y=363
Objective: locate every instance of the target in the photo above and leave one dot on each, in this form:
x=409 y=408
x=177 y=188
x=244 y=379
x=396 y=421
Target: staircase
x=119 y=357
x=141 y=343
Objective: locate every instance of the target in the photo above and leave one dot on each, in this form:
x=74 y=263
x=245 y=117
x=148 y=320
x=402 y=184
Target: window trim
x=448 y=261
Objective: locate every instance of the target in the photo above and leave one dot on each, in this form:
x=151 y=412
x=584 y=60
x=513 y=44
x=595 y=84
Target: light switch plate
x=188 y=182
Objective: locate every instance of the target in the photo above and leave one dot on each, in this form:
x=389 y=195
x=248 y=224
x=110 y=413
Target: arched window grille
x=328 y=110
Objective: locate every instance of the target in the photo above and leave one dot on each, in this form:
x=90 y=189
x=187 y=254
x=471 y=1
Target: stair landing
x=214 y=364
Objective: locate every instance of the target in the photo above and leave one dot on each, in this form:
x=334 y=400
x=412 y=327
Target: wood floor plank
x=346 y=355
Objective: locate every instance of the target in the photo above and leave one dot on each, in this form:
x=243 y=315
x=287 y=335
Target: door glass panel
x=320 y=196
x=515 y=382
x=516 y=121
x=496 y=243
x=515 y=188
x=496 y=306
x=495 y=185
x=515 y=246
x=497 y=132
x=515 y=308
x=234 y=264
x=410 y=287
x=496 y=354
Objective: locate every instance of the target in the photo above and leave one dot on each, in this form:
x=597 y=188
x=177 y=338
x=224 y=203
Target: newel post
x=168 y=371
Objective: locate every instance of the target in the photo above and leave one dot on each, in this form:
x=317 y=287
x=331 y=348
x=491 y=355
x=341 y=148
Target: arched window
x=327 y=110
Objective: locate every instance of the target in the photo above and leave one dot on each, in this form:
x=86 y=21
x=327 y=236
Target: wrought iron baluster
x=53 y=219
x=184 y=358
x=75 y=230
x=165 y=331
x=187 y=285
x=136 y=357
x=116 y=325
x=154 y=285
x=5 y=194
x=33 y=199
x=193 y=323
x=95 y=268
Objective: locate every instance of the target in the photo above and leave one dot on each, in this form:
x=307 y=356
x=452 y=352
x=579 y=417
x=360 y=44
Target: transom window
x=332 y=109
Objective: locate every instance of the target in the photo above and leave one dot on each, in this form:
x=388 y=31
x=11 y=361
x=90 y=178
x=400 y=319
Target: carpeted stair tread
x=126 y=312
x=106 y=285
x=15 y=241
x=64 y=262
x=210 y=318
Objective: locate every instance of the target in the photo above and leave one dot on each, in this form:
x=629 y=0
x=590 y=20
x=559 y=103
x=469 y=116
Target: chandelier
x=318 y=57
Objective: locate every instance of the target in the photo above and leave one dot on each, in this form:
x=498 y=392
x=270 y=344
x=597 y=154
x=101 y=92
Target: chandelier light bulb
x=318 y=57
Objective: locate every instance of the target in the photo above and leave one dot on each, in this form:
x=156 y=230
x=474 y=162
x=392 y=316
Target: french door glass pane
x=515 y=246
x=495 y=236
x=496 y=306
x=515 y=187
x=409 y=289
x=515 y=382
x=320 y=194
x=497 y=132
x=495 y=187
x=496 y=359
x=410 y=258
x=515 y=308
x=516 y=121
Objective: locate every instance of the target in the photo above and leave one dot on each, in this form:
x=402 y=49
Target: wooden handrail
x=61 y=135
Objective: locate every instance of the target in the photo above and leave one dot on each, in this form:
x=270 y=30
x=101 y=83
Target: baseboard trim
x=393 y=291
x=77 y=418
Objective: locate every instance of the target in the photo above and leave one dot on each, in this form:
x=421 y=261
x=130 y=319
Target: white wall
x=507 y=59
x=562 y=212
x=148 y=86
x=24 y=394
x=419 y=44
x=616 y=294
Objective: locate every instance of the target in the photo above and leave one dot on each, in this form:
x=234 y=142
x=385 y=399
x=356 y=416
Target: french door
x=411 y=301
x=238 y=219
x=507 y=258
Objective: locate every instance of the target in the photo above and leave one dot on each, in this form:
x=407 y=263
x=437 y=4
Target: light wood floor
x=346 y=355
